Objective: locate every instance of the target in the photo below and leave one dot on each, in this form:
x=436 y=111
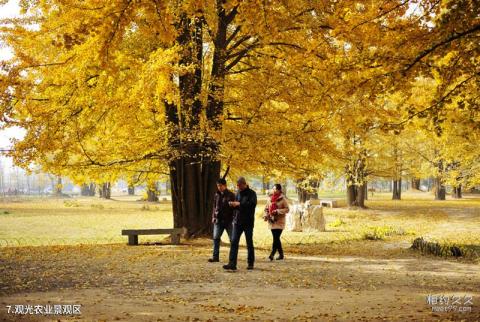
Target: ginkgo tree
x=113 y=89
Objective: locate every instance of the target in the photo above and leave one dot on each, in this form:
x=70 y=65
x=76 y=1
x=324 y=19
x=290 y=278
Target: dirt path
x=165 y=283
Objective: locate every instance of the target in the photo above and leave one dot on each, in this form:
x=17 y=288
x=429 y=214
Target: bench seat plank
x=133 y=234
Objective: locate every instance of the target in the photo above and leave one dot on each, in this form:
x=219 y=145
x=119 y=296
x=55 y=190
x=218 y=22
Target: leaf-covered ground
x=164 y=283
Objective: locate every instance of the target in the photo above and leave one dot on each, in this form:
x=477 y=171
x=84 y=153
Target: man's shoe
x=250 y=266
x=230 y=267
x=213 y=260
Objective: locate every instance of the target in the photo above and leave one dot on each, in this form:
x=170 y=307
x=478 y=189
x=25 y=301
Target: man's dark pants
x=218 y=229
x=238 y=229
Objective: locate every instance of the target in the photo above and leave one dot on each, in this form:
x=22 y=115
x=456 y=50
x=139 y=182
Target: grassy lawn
x=90 y=220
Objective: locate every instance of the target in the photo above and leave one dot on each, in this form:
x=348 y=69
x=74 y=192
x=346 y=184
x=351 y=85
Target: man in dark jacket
x=243 y=220
x=222 y=216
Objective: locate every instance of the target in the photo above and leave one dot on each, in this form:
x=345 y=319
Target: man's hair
x=222 y=181
x=241 y=180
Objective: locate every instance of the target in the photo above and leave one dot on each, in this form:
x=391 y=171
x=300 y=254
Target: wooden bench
x=328 y=202
x=133 y=234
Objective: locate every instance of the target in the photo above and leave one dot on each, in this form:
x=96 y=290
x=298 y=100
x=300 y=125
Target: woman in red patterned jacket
x=275 y=213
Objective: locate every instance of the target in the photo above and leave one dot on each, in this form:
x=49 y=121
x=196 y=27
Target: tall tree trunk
x=131 y=190
x=397 y=189
x=365 y=190
x=193 y=167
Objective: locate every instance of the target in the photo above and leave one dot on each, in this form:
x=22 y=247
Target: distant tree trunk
x=92 y=188
x=365 y=190
x=415 y=184
x=152 y=192
x=131 y=190
x=397 y=189
x=105 y=190
x=265 y=185
x=85 y=190
x=356 y=183
x=310 y=191
x=285 y=187
x=440 y=191
x=457 y=192
x=58 y=186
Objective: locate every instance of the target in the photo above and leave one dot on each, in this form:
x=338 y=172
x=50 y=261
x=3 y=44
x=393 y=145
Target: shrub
x=97 y=205
x=71 y=203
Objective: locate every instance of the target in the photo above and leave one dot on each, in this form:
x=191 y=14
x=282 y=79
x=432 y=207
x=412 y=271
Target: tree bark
x=58 y=186
x=105 y=190
x=152 y=193
x=193 y=166
x=356 y=183
x=131 y=190
x=457 y=192
x=84 y=190
x=415 y=184
x=440 y=191
x=365 y=190
x=265 y=185
x=308 y=192
x=397 y=189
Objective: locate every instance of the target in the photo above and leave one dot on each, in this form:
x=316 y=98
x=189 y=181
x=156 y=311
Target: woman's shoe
x=279 y=258
x=270 y=257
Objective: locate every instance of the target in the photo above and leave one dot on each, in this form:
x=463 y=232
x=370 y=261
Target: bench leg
x=133 y=239
x=175 y=239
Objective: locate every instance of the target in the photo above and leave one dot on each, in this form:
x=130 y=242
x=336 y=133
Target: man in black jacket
x=243 y=220
x=222 y=217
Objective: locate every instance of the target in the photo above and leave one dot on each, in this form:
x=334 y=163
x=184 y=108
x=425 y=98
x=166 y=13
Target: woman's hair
x=278 y=186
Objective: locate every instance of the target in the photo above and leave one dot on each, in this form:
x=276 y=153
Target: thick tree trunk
x=397 y=189
x=351 y=195
x=193 y=166
x=131 y=190
x=457 y=192
x=365 y=190
x=193 y=186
